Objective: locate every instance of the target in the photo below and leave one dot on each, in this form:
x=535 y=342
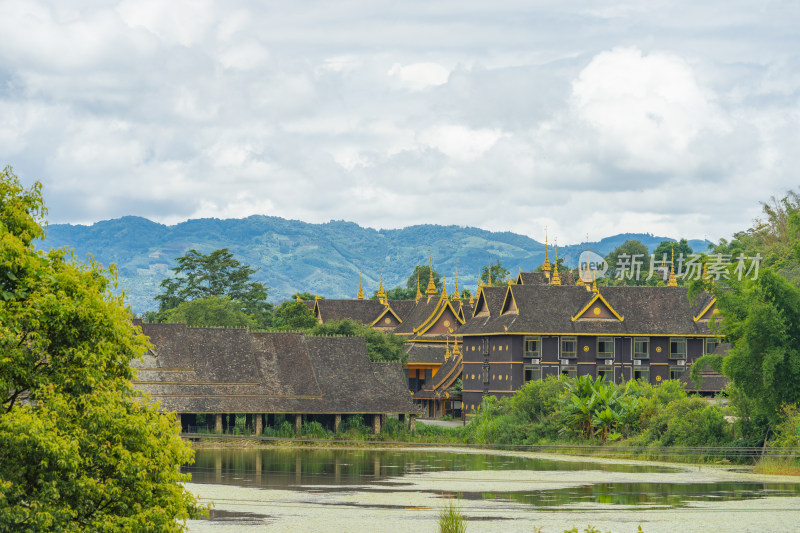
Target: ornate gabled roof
x=550 y=310
x=362 y=311
x=216 y=370
x=387 y=318
x=417 y=316
x=402 y=308
x=597 y=308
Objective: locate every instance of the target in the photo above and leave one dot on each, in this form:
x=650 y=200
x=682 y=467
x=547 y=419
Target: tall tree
x=624 y=258
x=423 y=274
x=495 y=274
x=665 y=250
x=80 y=448
x=217 y=274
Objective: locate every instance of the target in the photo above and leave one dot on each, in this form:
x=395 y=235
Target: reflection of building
x=543 y=324
x=219 y=375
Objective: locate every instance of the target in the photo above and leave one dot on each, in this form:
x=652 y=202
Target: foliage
x=761 y=319
x=451 y=520
x=423 y=274
x=293 y=315
x=630 y=248
x=80 y=448
x=494 y=274
x=381 y=346
x=665 y=250
x=219 y=311
x=596 y=407
x=217 y=274
x=787 y=431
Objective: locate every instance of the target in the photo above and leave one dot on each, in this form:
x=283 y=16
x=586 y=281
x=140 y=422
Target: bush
x=451 y=520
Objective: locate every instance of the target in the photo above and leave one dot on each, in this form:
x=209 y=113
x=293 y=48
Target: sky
x=602 y=117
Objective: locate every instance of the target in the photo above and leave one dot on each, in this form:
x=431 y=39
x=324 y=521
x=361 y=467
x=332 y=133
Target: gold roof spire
x=580 y=282
x=456 y=350
x=546 y=264
x=447 y=348
x=672 y=282
x=594 y=282
x=315 y=296
x=360 y=295
x=298 y=297
x=472 y=295
x=456 y=296
x=381 y=292
x=431 y=291
x=419 y=294
x=555 y=279
x=480 y=279
x=444 y=287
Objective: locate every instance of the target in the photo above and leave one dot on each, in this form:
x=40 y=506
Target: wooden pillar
x=218 y=423
x=259 y=426
x=337 y=420
x=298 y=423
x=376 y=424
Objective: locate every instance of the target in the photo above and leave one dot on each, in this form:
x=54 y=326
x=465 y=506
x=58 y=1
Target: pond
x=329 y=489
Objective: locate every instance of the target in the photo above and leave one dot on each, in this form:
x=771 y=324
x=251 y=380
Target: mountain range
x=294 y=256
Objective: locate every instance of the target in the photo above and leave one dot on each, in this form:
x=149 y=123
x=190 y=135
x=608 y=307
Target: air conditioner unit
x=682 y=363
x=564 y=363
x=609 y=361
x=637 y=362
x=535 y=361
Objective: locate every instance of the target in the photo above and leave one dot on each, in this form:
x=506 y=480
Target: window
x=570 y=371
x=641 y=348
x=605 y=371
x=485 y=346
x=677 y=348
x=605 y=347
x=711 y=345
x=675 y=372
x=569 y=347
x=532 y=347
x=642 y=373
x=533 y=373
x=485 y=373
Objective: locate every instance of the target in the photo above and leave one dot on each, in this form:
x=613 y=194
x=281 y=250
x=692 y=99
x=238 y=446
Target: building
x=215 y=375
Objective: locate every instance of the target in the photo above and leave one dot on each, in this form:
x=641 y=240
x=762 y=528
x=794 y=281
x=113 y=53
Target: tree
x=293 y=315
x=219 y=311
x=761 y=320
x=216 y=274
x=380 y=346
x=665 y=251
x=423 y=274
x=494 y=274
x=80 y=448
x=629 y=250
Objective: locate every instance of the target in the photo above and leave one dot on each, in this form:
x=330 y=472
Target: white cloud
x=419 y=76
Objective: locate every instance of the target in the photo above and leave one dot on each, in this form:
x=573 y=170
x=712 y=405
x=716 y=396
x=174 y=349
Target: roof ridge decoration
x=472 y=295
x=444 y=288
x=418 y=297
x=297 y=297
x=672 y=282
x=360 y=294
x=508 y=305
x=456 y=296
x=431 y=290
x=556 y=279
x=437 y=313
x=597 y=296
x=706 y=309
x=447 y=348
x=546 y=264
x=478 y=306
x=381 y=292
x=383 y=314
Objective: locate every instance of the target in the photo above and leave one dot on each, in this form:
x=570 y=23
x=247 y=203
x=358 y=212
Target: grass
x=451 y=520
x=777 y=466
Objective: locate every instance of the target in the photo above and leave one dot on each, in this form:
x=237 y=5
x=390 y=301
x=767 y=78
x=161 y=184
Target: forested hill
x=294 y=256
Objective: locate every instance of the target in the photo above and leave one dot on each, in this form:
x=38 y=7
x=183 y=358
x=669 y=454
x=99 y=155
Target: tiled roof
x=362 y=311
x=421 y=312
x=710 y=380
x=215 y=370
x=426 y=353
x=403 y=308
x=550 y=309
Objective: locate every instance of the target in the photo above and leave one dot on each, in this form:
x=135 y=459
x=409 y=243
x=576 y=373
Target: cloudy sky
x=671 y=117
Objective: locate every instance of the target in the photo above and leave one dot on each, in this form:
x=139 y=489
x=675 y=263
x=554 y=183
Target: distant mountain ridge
x=294 y=256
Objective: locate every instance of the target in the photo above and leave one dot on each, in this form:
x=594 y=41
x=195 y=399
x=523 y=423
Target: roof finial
x=431 y=291
x=360 y=295
x=472 y=295
x=456 y=295
x=672 y=282
x=594 y=282
x=444 y=287
x=447 y=349
x=419 y=294
x=546 y=264
x=556 y=279
x=480 y=279
x=456 y=350
x=381 y=292
x=297 y=297
x=315 y=296
x=489 y=272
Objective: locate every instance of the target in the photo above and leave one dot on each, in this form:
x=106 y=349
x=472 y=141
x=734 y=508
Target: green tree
x=761 y=320
x=216 y=274
x=294 y=315
x=665 y=250
x=423 y=274
x=380 y=346
x=218 y=311
x=80 y=448
x=495 y=274
x=623 y=255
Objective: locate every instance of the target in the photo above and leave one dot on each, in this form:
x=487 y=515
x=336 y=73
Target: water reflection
x=380 y=470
